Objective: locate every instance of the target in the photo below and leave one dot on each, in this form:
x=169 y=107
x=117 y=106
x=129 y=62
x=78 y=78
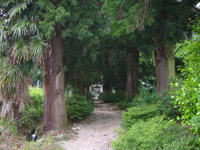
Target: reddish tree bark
x=165 y=67
x=55 y=114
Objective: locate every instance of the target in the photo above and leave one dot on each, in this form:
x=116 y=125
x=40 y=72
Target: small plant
x=46 y=142
x=78 y=107
x=10 y=126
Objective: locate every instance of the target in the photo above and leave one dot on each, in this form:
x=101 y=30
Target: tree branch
x=184 y=46
x=198 y=10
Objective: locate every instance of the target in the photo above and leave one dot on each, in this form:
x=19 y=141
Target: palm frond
x=20 y=52
x=23 y=28
x=37 y=45
x=18 y=9
x=3 y=37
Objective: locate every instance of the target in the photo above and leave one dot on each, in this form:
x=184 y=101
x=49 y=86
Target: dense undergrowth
x=154 y=133
x=12 y=137
x=148 y=123
x=78 y=107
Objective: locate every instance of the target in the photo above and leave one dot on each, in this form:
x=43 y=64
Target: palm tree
x=21 y=50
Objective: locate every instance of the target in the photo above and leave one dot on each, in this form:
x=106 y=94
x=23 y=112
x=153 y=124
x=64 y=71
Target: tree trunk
x=16 y=113
x=165 y=68
x=55 y=114
x=106 y=85
x=81 y=89
x=76 y=82
x=135 y=80
x=107 y=89
x=129 y=75
x=132 y=85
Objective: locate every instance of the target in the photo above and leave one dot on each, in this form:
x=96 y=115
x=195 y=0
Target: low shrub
x=118 y=96
x=154 y=134
x=123 y=105
x=33 y=110
x=135 y=114
x=78 y=107
x=145 y=97
x=90 y=95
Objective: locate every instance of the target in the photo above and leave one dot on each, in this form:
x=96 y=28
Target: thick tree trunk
x=165 y=68
x=55 y=114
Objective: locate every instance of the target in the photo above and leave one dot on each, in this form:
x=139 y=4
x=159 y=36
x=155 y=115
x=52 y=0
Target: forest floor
x=96 y=132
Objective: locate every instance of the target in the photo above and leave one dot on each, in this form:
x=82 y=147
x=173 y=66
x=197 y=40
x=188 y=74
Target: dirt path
x=96 y=132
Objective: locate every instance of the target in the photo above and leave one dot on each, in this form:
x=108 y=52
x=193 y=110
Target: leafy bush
x=112 y=98
x=78 y=107
x=187 y=93
x=154 y=134
x=33 y=110
x=167 y=107
x=146 y=97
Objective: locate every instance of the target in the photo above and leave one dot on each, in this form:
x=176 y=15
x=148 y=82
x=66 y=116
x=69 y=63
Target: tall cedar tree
x=165 y=21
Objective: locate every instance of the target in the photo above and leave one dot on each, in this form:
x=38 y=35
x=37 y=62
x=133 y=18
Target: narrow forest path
x=97 y=131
